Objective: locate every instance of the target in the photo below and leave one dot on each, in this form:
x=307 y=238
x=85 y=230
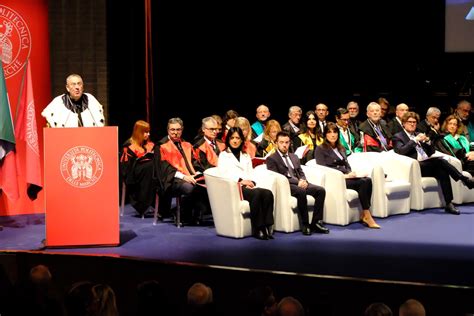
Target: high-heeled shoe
x=370 y=224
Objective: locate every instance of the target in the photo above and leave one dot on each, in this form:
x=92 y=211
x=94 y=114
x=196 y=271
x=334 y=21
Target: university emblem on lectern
x=81 y=167
x=15 y=41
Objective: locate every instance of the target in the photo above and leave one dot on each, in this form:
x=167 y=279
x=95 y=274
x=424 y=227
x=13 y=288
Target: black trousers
x=363 y=186
x=318 y=193
x=441 y=169
x=195 y=201
x=261 y=206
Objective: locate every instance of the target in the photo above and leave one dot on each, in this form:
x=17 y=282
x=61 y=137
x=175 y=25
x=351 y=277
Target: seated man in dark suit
x=431 y=127
x=208 y=147
x=354 y=122
x=293 y=127
x=178 y=175
x=263 y=113
x=375 y=133
x=418 y=146
x=288 y=164
x=395 y=125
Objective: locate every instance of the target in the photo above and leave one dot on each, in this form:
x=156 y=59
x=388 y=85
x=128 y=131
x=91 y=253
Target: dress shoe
x=451 y=209
x=306 y=230
x=319 y=228
x=260 y=234
x=469 y=182
x=269 y=231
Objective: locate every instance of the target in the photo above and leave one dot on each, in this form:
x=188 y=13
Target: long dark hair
x=231 y=131
x=331 y=127
x=315 y=131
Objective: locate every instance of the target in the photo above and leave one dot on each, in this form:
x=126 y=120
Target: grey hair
x=175 y=120
x=372 y=104
x=352 y=102
x=73 y=75
x=463 y=102
x=207 y=120
x=433 y=110
x=400 y=105
x=294 y=108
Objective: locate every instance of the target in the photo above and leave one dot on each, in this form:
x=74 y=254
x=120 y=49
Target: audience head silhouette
x=290 y=306
x=378 y=309
x=79 y=299
x=40 y=274
x=104 y=300
x=199 y=294
x=261 y=301
x=411 y=307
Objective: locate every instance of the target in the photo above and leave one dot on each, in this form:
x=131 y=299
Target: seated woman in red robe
x=136 y=167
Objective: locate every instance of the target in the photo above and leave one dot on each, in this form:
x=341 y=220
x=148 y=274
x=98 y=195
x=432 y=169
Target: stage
x=429 y=249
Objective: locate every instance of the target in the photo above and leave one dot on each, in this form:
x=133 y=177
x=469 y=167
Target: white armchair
x=425 y=191
x=461 y=194
x=390 y=195
x=342 y=205
x=231 y=213
x=286 y=213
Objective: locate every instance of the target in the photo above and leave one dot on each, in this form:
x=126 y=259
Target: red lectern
x=81 y=186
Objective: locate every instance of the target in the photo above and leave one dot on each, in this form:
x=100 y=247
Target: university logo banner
x=24 y=52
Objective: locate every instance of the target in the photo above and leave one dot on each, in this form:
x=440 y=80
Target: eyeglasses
x=213 y=129
x=411 y=122
x=345 y=120
x=175 y=129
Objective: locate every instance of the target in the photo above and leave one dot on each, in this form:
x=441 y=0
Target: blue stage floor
x=427 y=247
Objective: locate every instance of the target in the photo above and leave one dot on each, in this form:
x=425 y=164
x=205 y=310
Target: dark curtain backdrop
x=213 y=56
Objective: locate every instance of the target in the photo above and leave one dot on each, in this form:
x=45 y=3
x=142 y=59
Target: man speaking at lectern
x=74 y=108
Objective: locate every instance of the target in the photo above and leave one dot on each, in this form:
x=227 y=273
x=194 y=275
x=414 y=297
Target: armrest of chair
x=229 y=211
x=224 y=194
x=278 y=184
x=313 y=176
x=336 y=205
x=332 y=179
x=363 y=163
x=399 y=167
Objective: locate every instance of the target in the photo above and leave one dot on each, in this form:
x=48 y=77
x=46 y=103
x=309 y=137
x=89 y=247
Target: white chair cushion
x=429 y=184
x=351 y=195
x=293 y=202
x=244 y=207
x=396 y=186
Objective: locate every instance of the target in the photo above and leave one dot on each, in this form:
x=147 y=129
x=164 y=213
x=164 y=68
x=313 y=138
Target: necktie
x=180 y=148
x=78 y=110
x=214 y=145
x=291 y=171
x=382 y=138
x=322 y=125
x=421 y=152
